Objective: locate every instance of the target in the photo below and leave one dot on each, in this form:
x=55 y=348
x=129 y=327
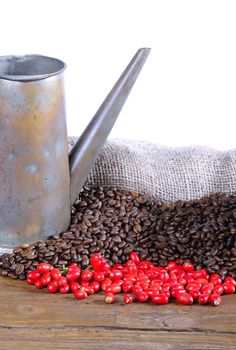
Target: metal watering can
x=39 y=182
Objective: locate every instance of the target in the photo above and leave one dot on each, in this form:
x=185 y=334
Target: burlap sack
x=164 y=173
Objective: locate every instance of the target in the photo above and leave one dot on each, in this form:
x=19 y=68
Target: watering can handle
x=85 y=151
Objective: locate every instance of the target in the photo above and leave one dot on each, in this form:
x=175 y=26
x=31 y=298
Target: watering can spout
x=38 y=183
x=85 y=151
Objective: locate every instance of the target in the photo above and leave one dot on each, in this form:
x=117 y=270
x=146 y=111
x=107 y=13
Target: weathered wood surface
x=35 y=319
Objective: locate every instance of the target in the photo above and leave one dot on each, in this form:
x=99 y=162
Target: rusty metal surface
x=34 y=169
x=85 y=151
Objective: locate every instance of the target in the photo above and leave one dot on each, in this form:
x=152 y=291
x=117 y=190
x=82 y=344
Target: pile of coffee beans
x=115 y=222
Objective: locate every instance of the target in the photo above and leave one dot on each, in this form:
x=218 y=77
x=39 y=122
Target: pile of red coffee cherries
x=145 y=281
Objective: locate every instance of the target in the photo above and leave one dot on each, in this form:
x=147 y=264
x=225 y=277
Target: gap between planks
x=117 y=328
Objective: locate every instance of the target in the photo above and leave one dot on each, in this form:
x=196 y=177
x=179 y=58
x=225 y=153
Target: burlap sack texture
x=164 y=173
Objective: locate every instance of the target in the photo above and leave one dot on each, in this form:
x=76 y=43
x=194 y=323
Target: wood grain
x=107 y=339
x=33 y=319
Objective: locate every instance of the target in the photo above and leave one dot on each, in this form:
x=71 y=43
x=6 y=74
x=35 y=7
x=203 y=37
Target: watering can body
x=38 y=181
x=34 y=166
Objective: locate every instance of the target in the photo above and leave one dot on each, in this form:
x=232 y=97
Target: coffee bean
x=119 y=253
x=43 y=250
x=144 y=240
x=12 y=275
x=130 y=240
x=51 y=248
x=17 y=250
x=41 y=244
x=99 y=243
x=233 y=251
x=80 y=249
x=93 y=250
x=65 y=257
x=127 y=250
x=85 y=261
x=116 y=239
x=122 y=244
x=161 y=238
x=115 y=249
x=232 y=268
x=48 y=253
x=68 y=235
x=31 y=256
x=11 y=260
x=115 y=259
x=62 y=262
x=55 y=259
x=115 y=222
x=87 y=242
x=140 y=199
x=87 y=222
x=137 y=228
x=72 y=250
x=180 y=249
x=19 y=269
x=24 y=246
x=22 y=277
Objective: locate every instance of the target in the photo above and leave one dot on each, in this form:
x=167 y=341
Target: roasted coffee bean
x=65 y=257
x=144 y=240
x=12 y=275
x=130 y=240
x=115 y=259
x=68 y=235
x=17 y=250
x=115 y=249
x=232 y=268
x=22 y=276
x=11 y=260
x=24 y=246
x=6 y=265
x=100 y=243
x=49 y=253
x=122 y=235
x=41 y=244
x=161 y=238
x=55 y=259
x=233 y=251
x=51 y=248
x=119 y=253
x=122 y=244
x=62 y=262
x=87 y=242
x=43 y=250
x=19 y=269
x=93 y=250
x=85 y=261
x=116 y=239
x=114 y=222
x=127 y=250
x=32 y=256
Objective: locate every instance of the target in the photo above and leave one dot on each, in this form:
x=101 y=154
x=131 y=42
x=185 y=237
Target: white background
x=186 y=92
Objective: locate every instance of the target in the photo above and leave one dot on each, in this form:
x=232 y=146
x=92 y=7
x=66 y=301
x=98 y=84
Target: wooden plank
x=22 y=305
x=107 y=339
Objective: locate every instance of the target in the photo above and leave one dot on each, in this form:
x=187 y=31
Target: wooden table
x=34 y=319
